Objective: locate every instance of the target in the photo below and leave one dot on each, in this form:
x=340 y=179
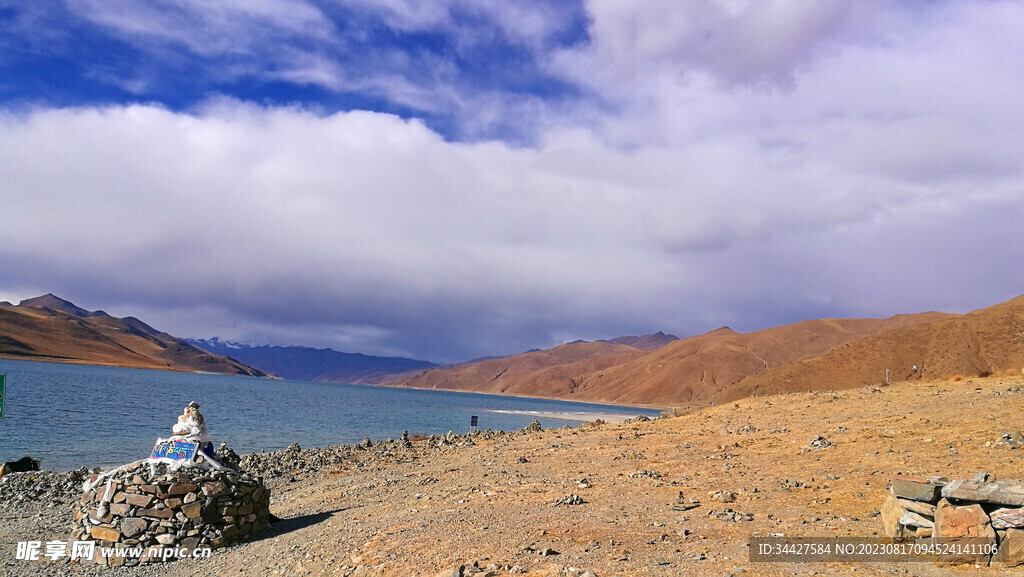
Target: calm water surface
x=75 y=415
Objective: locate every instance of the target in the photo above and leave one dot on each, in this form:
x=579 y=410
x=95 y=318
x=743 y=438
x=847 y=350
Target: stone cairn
x=979 y=510
x=187 y=509
x=194 y=500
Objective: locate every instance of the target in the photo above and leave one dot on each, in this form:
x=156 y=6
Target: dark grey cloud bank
x=866 y=164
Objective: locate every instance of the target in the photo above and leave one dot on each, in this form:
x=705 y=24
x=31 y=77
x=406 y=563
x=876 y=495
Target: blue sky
x=423 y=61
x=449 y=179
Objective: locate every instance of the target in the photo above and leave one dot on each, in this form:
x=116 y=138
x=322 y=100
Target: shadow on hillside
x=290 y=524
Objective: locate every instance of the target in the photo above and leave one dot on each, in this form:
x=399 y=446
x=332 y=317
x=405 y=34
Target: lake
x=71 y=416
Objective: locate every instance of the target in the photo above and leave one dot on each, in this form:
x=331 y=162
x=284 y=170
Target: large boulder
x=915 y=488
x=892 y=514
x=1006 y=492
x=963 y=525
x=1011 y=548
x=1007 y=518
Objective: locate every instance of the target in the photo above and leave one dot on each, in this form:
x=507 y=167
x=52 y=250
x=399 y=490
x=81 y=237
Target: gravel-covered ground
x=38 y=505
x=667 y=497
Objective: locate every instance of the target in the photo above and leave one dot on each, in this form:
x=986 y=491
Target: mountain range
x=653 y=370
x=49 y=328
x=308 y=364
x=723 y=364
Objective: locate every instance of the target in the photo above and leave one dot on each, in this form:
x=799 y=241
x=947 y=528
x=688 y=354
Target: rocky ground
x=678 y=496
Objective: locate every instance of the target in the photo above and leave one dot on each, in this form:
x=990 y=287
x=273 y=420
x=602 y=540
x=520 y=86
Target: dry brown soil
x=487 y=506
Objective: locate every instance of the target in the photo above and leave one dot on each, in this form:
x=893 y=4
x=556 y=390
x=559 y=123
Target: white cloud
x=699 y=193
x=209 y=28
x=530 y=22
x=734 y=41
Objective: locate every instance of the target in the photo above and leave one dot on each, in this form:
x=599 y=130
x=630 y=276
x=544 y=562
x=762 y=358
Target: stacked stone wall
x=188 y=509
x=979 y=510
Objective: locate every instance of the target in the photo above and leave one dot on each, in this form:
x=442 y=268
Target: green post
x=3 y=386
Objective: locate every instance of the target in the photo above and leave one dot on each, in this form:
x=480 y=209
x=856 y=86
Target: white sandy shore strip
x=579 y=417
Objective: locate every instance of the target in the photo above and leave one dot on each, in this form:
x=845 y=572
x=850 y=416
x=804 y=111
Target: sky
x=449 y=179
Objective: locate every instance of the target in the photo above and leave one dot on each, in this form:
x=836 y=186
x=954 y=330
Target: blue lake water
x=76 y=415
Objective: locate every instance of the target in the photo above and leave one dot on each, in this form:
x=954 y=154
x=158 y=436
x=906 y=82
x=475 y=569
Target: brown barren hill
x=979 y=343
x=547 y=373
x=47 y=328
x=680 y=373
x=695 y=369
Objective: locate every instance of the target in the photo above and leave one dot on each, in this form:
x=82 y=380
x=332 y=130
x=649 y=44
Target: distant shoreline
x=568 y=400
x=87 y=363
x=575 y=417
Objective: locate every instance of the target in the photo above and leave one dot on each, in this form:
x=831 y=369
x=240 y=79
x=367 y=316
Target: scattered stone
x=1014 y=389
x=42 y=486
x=548 y=552
x=748 y=428
x=1007 y=518
x=101 y=533
x=570 y=499
x=892 y=512
x=915 y=489
x=682 y=504
x=645 y=473
x=918 y=507
x=1002 y=492
x=155 y=513
x=912 y=519
x=1011 y=548
x=192 y=510
x=132 y=527
x=533 y=427
x=953 y=524
x=820 y=443
x=227 y=457
x=723 y=496
x=730 y=515
x=214 y=488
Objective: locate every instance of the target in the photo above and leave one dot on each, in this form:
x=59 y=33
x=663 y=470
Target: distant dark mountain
x=646 y=342
x=308 y=364
x=5 y=304
x=49 y=328
x=52 y=301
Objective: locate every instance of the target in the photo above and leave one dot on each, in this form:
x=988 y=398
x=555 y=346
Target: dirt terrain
x=428 y=509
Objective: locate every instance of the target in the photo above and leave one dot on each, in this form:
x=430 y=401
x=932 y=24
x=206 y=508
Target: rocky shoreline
x=38 y=505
